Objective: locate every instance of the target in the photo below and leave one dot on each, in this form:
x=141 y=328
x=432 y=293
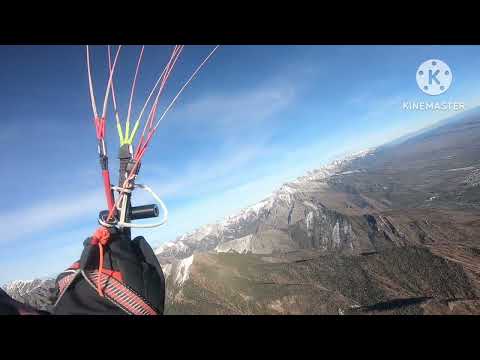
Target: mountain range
x=392 y=229
x=411 y=206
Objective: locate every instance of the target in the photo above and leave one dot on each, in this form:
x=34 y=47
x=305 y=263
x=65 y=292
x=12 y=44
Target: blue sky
x=255 y=117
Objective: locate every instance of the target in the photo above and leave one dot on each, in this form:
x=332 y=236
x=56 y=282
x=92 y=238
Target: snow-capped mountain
x=268 y=226
x=390 y=216
x=38 y=293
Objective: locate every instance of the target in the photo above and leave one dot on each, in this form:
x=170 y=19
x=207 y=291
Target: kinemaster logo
x=434 y=77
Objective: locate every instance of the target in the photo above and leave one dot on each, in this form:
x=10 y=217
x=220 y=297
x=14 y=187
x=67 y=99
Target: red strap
x=75 y=266
x=108 y=190
x=101 y=237
x=121 y=295
x=117 y=275
x=65 y=282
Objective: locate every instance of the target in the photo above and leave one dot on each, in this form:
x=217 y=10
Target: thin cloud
x=200 y=175
x=244 y=108
x=49 y=214
x=230 y=111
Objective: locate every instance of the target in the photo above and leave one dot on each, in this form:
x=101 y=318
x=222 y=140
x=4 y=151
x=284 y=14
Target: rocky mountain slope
x=292 y=217
x=38 y=293
x=378 y=198
x=414 y=205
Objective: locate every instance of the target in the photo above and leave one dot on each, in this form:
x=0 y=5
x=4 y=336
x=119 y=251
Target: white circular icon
x=434 y=77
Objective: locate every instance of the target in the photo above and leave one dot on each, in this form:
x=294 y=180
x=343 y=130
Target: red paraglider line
x=143 y=143
x=134 y=84
x=165 y=75
x=141 y=150
x=100 y=128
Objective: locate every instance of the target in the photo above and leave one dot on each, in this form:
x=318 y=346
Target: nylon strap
x=120 y=295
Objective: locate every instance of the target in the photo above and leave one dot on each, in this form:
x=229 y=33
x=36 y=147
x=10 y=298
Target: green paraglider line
x=120 y=135
x=134 y=132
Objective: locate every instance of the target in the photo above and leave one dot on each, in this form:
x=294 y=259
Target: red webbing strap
x=108 y=189
x=100 y=132
x=120 y=295
x=74 y=266
x=101 y=237
x=65 y=282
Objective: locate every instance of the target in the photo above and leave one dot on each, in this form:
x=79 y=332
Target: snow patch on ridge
x=183 y=270
x=242 y=245
x=22 y=287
